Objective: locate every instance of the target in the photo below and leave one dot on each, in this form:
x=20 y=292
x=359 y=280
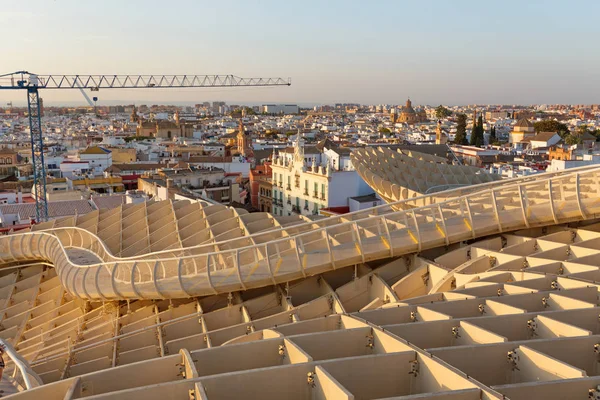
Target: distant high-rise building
x=217 y=106
x=280 y=109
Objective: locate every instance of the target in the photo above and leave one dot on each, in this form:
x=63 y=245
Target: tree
x=384 y=130
x=247 y=110
x=473 y=137
x=461 y=129
x=573 y=139
x=551 y=125
x=477 y=133
x=493 y=134
x=442 y=112
x=480 y=131
x=583 y=129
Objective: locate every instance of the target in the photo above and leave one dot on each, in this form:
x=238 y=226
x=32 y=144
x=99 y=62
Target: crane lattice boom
x=24 y=79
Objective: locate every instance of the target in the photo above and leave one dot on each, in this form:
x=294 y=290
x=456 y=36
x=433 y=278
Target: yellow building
x=108 y=184
x=440 y=135
x=522 y=130
x=123 y=155
x=164 y=129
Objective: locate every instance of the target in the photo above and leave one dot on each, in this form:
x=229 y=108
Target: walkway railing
x=22 y=373
x=304 y=227
x=529 y=203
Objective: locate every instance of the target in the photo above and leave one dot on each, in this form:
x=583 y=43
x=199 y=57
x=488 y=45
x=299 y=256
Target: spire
x=134 y=116
x=242 y=140
x=298 y=149
x=240 y=128
x=440 y=136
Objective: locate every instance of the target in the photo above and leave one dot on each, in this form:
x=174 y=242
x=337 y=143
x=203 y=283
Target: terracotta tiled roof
x=108 y=202
x=55 y=208
x=208 y=159
x=524 y=123
x=133 y=167
x=543 y=136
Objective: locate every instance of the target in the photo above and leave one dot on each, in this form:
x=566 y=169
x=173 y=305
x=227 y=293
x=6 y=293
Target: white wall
x=8 y=198
x=98 y=162
x=553 y=140
x=346 y=184
x=243 y=168
x=68 y=169
x=355 y=205
x=559 y=165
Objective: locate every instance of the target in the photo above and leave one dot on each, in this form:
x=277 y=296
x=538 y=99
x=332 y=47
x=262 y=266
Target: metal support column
x=37 y=154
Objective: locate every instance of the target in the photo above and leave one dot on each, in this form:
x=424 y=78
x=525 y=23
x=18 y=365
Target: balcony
x=316 y=195
x=288 y=188
x=322 y=196
x=289 y=200
x=306 y=207
x=280 y=185
x=296 y=209
x=306 y=192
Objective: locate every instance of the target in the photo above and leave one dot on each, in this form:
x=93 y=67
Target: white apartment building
x=306 y=183
x=97 y=157
x=68 y=169
x=280 y=109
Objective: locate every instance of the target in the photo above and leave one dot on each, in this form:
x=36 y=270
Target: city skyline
x=336 y=52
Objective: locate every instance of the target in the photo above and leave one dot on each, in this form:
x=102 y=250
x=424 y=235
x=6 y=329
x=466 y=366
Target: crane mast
x=23 y=80
x=34 y=108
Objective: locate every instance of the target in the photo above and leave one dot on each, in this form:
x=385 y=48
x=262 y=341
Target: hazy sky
x=436 y=51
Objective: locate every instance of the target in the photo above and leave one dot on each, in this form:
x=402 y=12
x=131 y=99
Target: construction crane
x=87 y=98
x=23 y=80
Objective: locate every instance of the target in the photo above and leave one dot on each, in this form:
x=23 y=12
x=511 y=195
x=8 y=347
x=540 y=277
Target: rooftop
x=95 y=150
